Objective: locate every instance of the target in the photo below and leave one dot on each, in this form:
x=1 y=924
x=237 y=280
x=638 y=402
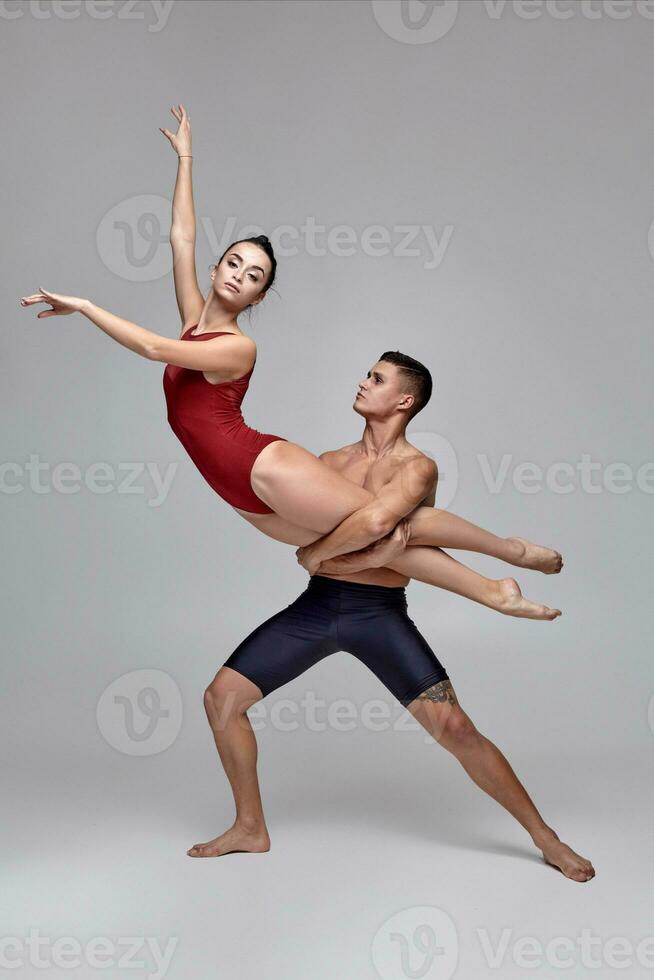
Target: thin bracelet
x=187 y=156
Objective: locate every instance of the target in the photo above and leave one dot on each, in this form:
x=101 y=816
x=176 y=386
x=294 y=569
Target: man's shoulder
x=335 y=456
x=417 y=466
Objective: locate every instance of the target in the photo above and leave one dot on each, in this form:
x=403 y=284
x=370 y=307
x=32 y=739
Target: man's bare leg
x=438 y=710
x=226 y=701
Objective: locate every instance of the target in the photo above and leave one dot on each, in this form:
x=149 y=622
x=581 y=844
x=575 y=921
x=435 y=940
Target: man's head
x=395 y=384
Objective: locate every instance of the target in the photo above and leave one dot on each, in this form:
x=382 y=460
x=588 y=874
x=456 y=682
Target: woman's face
x=240 y=276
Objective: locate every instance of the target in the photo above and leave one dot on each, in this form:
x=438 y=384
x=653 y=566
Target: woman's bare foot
x=560 y=856
x=505 y=596
x=235 y=839
x=528 y=555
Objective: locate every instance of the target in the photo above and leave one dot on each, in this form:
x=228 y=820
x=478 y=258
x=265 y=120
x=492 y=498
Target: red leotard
x=207 y=420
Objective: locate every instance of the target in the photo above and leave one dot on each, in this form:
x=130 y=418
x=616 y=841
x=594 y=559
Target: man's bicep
x=408 y=488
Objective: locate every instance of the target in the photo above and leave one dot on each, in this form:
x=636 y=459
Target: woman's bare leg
x=435 y=567
x=303 y=490
x=226 y=701
x=432 y=526
x=310 y=499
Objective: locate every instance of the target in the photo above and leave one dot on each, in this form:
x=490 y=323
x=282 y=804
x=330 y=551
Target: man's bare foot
x=560 y=856
x=528 y=555
x=506 y=597
x=235 y=839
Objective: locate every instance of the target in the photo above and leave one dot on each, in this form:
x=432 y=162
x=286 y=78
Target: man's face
x=381 y=393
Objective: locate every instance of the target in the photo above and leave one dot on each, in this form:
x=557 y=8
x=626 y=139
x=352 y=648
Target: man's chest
x=371 y=476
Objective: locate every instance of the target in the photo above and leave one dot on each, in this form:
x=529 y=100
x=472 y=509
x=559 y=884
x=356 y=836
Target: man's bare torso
x=352 y=464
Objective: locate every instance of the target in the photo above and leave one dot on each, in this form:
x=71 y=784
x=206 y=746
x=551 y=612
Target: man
x=355 y=604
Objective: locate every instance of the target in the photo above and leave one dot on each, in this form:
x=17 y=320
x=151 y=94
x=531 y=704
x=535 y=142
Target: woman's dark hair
x=265 y=245
x=415 y=375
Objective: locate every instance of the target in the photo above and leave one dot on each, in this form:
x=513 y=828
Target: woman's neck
x=214 y=316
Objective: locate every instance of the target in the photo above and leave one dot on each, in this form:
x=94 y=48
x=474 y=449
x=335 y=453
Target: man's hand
x=389 y=547
x=411 y=484
x=374 y=556
x=306 y=559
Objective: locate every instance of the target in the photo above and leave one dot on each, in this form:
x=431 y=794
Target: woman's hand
x=60 y=304
x=181 y=140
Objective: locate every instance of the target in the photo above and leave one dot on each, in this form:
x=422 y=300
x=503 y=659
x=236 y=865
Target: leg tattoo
x=443 y=691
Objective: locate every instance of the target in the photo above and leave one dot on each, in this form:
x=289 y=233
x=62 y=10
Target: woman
x=276 y=485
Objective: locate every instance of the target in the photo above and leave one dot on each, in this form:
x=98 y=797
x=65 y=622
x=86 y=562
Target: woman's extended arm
x=232 y=356
x=190 y=300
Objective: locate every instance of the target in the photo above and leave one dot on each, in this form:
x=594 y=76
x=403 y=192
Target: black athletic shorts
x=368 y=621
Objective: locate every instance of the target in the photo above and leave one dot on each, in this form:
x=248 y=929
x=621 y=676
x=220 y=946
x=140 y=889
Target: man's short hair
x=416 y=377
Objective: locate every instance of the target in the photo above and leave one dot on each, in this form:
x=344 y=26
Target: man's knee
x=230 y=693
x=459 y=731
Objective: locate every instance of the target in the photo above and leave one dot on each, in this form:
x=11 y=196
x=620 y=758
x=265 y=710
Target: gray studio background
x=525 y=144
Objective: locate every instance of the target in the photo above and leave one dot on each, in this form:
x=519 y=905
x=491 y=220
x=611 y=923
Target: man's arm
x=408 y=488
x=376 y=555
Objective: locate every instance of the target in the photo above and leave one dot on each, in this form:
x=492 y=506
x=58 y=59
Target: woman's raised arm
x=190 y=300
